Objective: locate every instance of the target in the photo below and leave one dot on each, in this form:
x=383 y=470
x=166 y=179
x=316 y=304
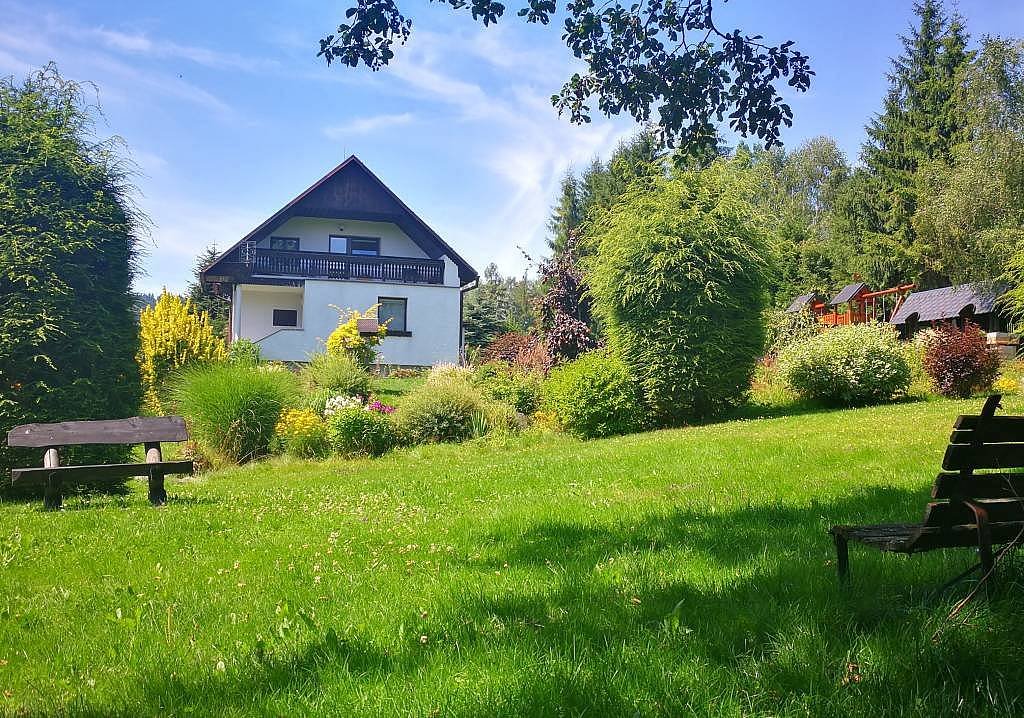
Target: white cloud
x=141 y=44
x=367 y=125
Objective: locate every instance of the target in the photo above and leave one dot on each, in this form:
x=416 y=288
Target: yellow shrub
x=346 y=339
x=295 y=423
x=1006 y=385
x=172 y=334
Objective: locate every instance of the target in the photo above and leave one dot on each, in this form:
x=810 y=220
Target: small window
x=392 y=311
x=338 y=244
x=286 y=317
x=363 y=247
x=288 y=244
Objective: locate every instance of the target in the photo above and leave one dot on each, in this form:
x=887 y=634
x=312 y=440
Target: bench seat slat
x=136 y=430
x=914 y=538
x=102 y=471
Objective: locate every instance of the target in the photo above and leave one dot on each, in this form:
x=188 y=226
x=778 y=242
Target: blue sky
x=228 y=113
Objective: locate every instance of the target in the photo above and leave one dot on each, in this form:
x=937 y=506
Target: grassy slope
x=672 y=573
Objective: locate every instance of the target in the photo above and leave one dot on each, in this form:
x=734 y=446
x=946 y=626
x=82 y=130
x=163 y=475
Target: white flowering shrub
x=339 y=403
x=848 y=365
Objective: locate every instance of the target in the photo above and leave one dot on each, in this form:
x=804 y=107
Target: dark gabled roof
x=847 y=293
x=949 y=302
x=801 y=302
x=352 y=191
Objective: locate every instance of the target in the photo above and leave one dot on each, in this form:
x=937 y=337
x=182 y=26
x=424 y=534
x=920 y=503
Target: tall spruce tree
x=920 y=122
x=567 y=215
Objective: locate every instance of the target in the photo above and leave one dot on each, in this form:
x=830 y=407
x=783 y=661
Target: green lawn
x=673 y=573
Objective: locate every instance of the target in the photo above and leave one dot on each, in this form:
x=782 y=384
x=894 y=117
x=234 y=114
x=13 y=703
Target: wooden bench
x=968 y=509
x=149 y=431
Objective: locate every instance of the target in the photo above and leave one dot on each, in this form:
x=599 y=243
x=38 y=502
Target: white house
x=350 y=242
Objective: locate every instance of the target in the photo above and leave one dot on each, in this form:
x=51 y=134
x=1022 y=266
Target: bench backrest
x=982 y=442
x=136 y=430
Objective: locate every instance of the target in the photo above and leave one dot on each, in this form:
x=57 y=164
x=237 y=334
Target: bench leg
x=157 y=494
x=842 y=556
x=52 y=493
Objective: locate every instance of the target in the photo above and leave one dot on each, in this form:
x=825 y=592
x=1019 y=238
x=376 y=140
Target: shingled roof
x=801 y=302
x=847 y=293
x=948 y=302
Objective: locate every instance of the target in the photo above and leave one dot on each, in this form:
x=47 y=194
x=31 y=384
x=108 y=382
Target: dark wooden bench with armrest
x=149 y=431
x=968 y=509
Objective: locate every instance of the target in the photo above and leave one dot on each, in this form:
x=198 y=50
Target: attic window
x=288 y=244
x=364 y=246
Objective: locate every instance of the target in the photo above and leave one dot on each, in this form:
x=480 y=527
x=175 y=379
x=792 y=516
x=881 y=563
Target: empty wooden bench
x=968 y=509
x=149 y=431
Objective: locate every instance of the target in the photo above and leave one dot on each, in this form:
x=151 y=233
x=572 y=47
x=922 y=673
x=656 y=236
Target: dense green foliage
x=68 y=247
x=499 y=305
x=960 y=361
x=245 y=352
x=232 y=410
x=357 y=430
x=594 y=396
x=676 y=573
x=502 y=382
x=217 y=307
x=442 y=409
x=679 y=280
x=336 y=372
x=848 y=365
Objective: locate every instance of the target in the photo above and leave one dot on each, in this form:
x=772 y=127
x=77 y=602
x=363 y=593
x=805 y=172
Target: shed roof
x=802 y=301
x=847 y=293
x=949 y=302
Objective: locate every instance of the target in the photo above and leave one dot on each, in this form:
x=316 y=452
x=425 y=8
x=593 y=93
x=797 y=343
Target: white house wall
x=432 y=317
x=314 y=235
x=254 y=313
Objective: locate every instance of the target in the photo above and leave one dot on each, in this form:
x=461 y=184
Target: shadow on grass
x=679 y=612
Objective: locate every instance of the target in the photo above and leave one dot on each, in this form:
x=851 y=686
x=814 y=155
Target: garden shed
x=977 y=302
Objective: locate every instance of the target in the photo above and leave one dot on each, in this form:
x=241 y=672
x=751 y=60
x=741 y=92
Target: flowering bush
x=593 y=396
x=338 y=373
x=959 y=361
x=356 y=430
x=302 y=433
x=347 y=339
x=519 y=389
x=446 y=371
x=848 y=365
x=340 y=403
x=172 y=335
x=1006 y=385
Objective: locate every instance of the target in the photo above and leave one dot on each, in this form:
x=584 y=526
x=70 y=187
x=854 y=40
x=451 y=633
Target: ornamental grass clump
x=337 y=373
x=959 y=361
x=851 y=365
x=441 y=410
x=232 y=410
x=594 y=396
x=362 y=430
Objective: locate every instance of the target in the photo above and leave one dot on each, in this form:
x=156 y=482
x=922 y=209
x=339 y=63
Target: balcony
x=328 y=265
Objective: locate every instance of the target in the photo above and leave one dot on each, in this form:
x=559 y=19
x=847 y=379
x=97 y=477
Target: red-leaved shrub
x=959 y=361
x=527 y=352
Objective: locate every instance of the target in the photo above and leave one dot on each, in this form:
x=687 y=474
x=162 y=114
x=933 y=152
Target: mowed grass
x=682 y=572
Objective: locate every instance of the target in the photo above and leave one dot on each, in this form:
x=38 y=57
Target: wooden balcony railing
x=327 y=265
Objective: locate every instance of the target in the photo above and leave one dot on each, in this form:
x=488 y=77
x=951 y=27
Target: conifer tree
x=919 y=122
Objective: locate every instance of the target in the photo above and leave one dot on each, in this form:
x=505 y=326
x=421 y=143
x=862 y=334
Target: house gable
x=351 y=191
